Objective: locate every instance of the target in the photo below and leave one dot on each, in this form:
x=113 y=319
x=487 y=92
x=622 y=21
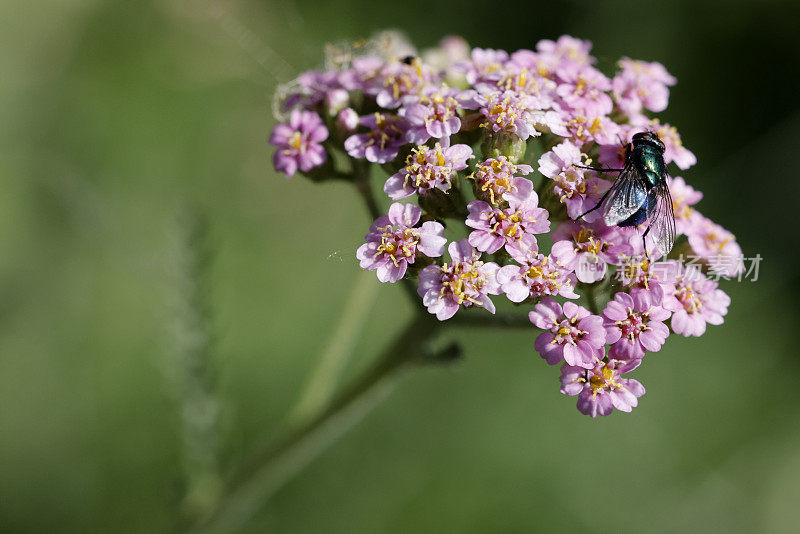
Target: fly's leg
x=597 y=170
x=600 y=203
x=644 y=243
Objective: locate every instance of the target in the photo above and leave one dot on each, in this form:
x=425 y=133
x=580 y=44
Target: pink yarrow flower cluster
x=533 y=274
x=496 y=227
x=393 y=242
x=495 y=177
x=427 y=169
x=299 y=143
x=465 y=281
x=456 y=132
x=578 y=189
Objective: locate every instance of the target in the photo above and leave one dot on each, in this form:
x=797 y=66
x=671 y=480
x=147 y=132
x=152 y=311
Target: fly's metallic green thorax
x=650 y=162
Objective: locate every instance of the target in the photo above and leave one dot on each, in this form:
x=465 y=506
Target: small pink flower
x=717 y=246
x=602 y=388
x=365 y=74
x=588 y=249
x=398 y=81
x=451 y=50
x=427 y=169
x=640 y=84
x=583 y=128
x=466 y=281
x=435 y=115
x=694 y=302
x=578 y=189
x=393 y=242
x=314 y=88
x=495 y=227
x=638 y=274
x=510 y=112
x=535 y=275
x=495 y=177
x=298 y=143
x=634 y=325
x=485 y=68
x=526 y=82
x=347 y=120
x=562 y=57
x=571 y=334
x=584 y=90
x=383 y=140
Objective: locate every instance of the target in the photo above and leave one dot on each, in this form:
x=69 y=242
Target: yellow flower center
x=296 y=140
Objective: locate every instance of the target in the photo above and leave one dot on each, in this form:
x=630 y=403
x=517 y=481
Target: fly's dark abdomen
x=644 y=212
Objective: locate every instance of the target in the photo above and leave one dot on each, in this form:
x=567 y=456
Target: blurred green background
x=119 y=118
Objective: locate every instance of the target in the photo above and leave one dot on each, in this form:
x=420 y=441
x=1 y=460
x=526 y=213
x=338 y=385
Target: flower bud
x=496 y=144
x=347 y=121
x=336 y=100
x=443 y=205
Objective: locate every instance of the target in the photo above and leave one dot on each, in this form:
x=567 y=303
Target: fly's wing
x=625 y=197
x=662 y=225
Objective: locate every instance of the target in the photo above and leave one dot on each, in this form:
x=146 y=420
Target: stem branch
x=268 y=473
x=321 y=384
x=500 y=320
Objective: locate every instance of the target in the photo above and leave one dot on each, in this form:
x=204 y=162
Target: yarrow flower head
x=602 y=388
x=431 y=119
x=383 y=140
x=564 y=55
x=634 y=325
x=466 y=281
x=496 y=227
x=534 y=274
x=496 y=177
x=485 y=68
x=582 y=128
x=638 y=274
x=571 y=334
x=716 y=246
x=435 y=115
x=576 y=188
x=319 y=90
x=299 y=143
x=695 y=301
x=585 y=89
x=427 y=169
x=398 y=80
x=393 y=242
x=641 y=85
x=588 y=249
x=512 y=113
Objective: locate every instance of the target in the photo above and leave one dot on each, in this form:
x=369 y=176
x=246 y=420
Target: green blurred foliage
x=115 y=116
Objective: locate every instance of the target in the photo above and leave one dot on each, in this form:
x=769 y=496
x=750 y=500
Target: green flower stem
x=500 y=320
x=321 y=384
x=255 y=484
x=364 y=188
x=591 y=298
x=318 y=426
